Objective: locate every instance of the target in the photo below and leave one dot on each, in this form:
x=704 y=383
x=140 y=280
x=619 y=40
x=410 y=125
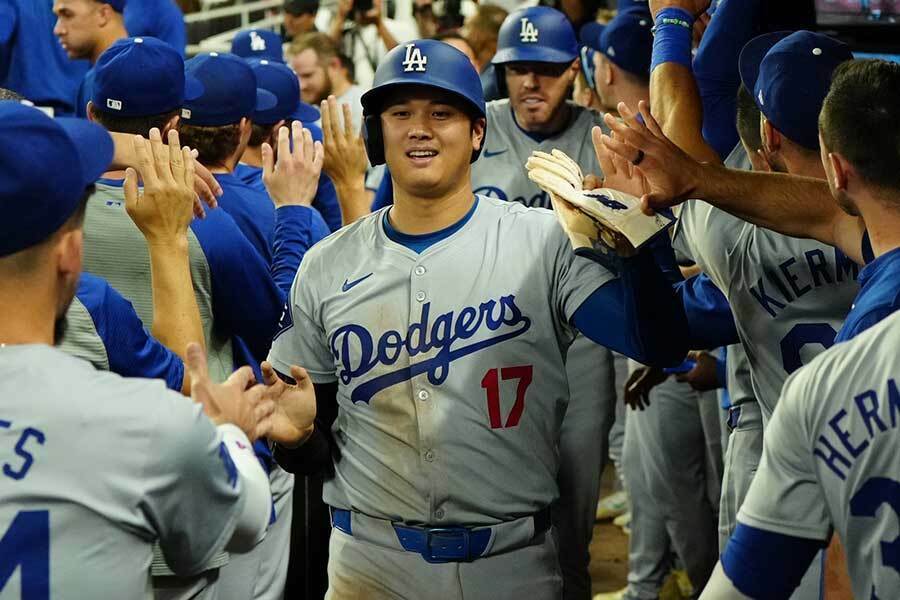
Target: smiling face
x=428 y=141
x=538 y=92
x=315 y=84
x=77 y=24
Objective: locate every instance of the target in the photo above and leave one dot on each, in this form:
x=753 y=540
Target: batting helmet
x=428 y=63
x=537 y=34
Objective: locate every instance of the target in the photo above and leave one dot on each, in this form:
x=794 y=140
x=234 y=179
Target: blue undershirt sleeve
x=638 y=314
x=765 y=564
x=297 y=228
x=130 y=349
x=715 y=68
x=708 y=313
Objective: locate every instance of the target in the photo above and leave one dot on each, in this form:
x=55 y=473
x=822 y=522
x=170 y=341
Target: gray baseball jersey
x=95 y=468
x=500 y=170
x=832 y=458
x=789 y=295
x=450 y=363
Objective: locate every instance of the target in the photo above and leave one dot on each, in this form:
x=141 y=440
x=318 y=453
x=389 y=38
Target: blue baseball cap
x=230 y=91
x=590 y=33
x=117 y=5
x=258 y=43
x=72 y=154
x=282 y=82
x=627 y=41
x=627 y=5
x=141 y=76
x=789 y=74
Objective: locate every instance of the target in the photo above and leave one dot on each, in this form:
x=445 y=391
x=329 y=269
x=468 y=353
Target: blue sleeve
x=708 y=313
x=8 y=22
x=246 y=301
x=715 y=67
x=132 y=352
x=384 y=195
x=638 y=314
x=765 y=564
x=297 y=228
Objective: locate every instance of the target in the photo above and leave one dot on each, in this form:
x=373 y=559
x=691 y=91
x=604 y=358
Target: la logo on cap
x=414 y=60
x=113 y=104
x=529 y=32
x=257 y=44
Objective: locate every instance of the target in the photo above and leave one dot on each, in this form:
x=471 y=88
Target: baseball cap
x=280 y=80
x=627 y=41
x=789 y=74
x=117 y=5
x=300 y=7
x=257 y=43
x=229 y=91
x=72 y=154
x=626 y=5
x=141 y=76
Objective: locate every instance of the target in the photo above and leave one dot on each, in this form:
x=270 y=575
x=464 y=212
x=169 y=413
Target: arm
x=340 y=16
x=791 y=205
x=675 y=99
x=716 y=70
x=163 y=213
x=383 y=32
x=709 y=316
x=345 y=160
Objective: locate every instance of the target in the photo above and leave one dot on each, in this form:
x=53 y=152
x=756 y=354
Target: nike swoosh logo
x=488 y=153
x=349 y=285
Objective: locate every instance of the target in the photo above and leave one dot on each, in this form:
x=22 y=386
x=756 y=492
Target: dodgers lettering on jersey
x=500 y=170
x=832 y=458
x=789 y=295
x=439 y=355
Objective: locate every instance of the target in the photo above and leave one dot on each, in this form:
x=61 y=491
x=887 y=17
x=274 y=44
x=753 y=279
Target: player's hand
x=695 y=7
x=295 y=406
x=343 y=8
x=704 y=376
x=345 y=151
x=639 y=384
x=164 y=210
x=293 y=179
x=618 y=173
x=671 y=174
x=237 y=401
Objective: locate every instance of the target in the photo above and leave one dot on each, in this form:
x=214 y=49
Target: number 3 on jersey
x=491 y=383
x=26 y=545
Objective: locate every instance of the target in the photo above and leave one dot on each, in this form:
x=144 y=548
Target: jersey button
x=420 y=296
x=429 y=455
x=423 y=394
x=420 y=270
x=439 y=513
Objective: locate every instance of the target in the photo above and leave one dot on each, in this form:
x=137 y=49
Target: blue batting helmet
x=428 y=63
x=537 y=34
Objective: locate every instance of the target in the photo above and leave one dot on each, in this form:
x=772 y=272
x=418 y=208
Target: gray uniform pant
x=260 y=574
x=741 y=461
x=358 y=570
x=665 y=461
x=617 y=433
x=582 y=456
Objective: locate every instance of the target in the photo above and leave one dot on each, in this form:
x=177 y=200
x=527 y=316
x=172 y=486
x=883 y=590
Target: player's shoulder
x=346 y=242
x=585 y=116
x=525 y=220
x=498 y=111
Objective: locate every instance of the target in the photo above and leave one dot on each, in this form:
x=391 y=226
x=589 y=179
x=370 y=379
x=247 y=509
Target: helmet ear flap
x=373 y=139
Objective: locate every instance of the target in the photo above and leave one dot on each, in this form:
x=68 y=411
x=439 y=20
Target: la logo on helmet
x=257 y=44
x=414 y=60
x=529 y=32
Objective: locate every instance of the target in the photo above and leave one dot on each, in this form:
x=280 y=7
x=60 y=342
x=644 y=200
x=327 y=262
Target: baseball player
x=35 y=65
x=279 y=80
x=448 y=414
x=237 y=327
x=161 y=19
x=776 y=285
x=176 y=476
x=86 y=28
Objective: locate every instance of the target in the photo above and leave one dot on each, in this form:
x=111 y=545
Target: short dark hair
x=259 y=134
x=301 y=7
x=214 y=145
x=748 y=119
x=134 y=125
x=860 y=119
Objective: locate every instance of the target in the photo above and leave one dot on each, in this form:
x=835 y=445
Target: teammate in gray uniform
x=77 y=519
x=536 y=62
x=445 y=321
x=789 y=296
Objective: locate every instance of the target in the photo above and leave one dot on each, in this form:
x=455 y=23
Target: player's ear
x=90 y=112
x=478 y=126
x=771 y=137
x=841 y=171
x=171 y=124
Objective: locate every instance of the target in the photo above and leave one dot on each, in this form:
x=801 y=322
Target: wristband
x=673 y=36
